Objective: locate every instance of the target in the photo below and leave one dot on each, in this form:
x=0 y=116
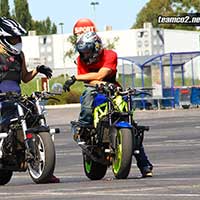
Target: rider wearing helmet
x=12 y=61
x=95 y=63
x=98 y=65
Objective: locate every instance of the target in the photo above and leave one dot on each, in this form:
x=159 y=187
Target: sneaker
x=54 y=179
x=147 y=172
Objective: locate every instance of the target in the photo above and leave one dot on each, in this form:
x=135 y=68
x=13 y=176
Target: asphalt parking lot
x=172 y=144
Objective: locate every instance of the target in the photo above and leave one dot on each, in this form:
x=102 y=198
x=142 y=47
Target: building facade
x=51 y=49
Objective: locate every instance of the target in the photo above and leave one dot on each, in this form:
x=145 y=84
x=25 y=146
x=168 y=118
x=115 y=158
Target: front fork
x=28 y=137
x=43 y=121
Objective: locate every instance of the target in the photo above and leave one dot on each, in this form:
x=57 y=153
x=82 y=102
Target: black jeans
x=86 y=118
x=142 y=160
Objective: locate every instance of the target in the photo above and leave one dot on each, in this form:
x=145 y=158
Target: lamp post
x=61 y=26
x=94 y=4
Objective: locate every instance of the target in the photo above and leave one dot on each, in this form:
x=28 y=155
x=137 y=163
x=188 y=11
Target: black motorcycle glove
x=68 y=83
x=44 y=70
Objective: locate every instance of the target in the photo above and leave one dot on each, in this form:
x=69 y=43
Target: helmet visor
x=86 y=50
x=13 y=40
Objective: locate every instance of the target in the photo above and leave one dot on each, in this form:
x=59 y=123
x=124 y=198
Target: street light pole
x=61 y=26
x=94 y=4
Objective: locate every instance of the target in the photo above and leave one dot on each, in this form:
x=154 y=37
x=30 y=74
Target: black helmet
x=89 y=46
x=9 y=28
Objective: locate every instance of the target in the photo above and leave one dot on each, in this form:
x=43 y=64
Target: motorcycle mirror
x=57 y=88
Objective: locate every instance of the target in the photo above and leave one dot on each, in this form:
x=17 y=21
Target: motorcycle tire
x=121 y=162
x=42 y=167
x=5 y=176
x=93 y=170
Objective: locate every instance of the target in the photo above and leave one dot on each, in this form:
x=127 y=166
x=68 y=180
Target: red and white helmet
x=90 y=47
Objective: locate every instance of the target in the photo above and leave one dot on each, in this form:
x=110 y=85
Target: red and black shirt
x=108 y=59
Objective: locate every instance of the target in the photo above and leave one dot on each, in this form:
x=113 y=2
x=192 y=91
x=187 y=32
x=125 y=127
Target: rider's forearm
x=92 y=76
x=28 y=76
x=96 y=82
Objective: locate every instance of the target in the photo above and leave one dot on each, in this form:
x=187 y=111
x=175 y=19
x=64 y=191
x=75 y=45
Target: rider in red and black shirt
x=98 y=65
x=107 y=62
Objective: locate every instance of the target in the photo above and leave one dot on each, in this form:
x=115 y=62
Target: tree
x=50 y=28
x=4 y=8
x=44 y=27
x=22 y=14
x=154 y=8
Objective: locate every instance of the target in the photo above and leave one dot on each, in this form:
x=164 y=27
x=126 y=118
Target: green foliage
x=187 y=81
x=30 y=87
x=4 y=8
x=44 y=27
x=154 y=8
x=21 y=14
x=67 y=97
x=131 y=81
x=71 y=52
x=110 y=44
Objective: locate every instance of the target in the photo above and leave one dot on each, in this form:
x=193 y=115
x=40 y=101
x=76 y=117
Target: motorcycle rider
x=12 y=61
x=96 y=65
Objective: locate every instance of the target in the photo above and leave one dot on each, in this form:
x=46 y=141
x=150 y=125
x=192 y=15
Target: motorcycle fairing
x=99 y=99
x=123 y=124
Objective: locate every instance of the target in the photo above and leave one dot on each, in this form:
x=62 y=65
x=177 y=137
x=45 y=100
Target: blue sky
x=119 y=14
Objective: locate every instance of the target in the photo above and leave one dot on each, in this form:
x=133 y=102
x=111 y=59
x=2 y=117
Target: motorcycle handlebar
x=15 y=95
x=134 y=92
x=111 y=87
x=45 y=94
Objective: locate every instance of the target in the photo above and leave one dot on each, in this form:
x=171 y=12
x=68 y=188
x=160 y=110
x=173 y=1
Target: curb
x=71 y=105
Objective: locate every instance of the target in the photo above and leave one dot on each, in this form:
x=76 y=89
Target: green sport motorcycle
x=114 y=135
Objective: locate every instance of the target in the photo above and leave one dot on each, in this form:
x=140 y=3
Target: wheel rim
x=88 y=165
x=118 y=153
x=36 y=167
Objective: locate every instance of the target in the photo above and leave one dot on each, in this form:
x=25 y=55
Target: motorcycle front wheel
x=5 y=176
x=93 y=170
x=121 y=162
x=41 y=168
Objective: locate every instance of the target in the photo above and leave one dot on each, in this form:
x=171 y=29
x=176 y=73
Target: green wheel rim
x=88 y=166
x=118 y=155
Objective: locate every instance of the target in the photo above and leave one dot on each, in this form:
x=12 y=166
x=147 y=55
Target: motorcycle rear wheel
x=5 y=176
x=93 y=170
x=121 y=163
x=42 y=167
